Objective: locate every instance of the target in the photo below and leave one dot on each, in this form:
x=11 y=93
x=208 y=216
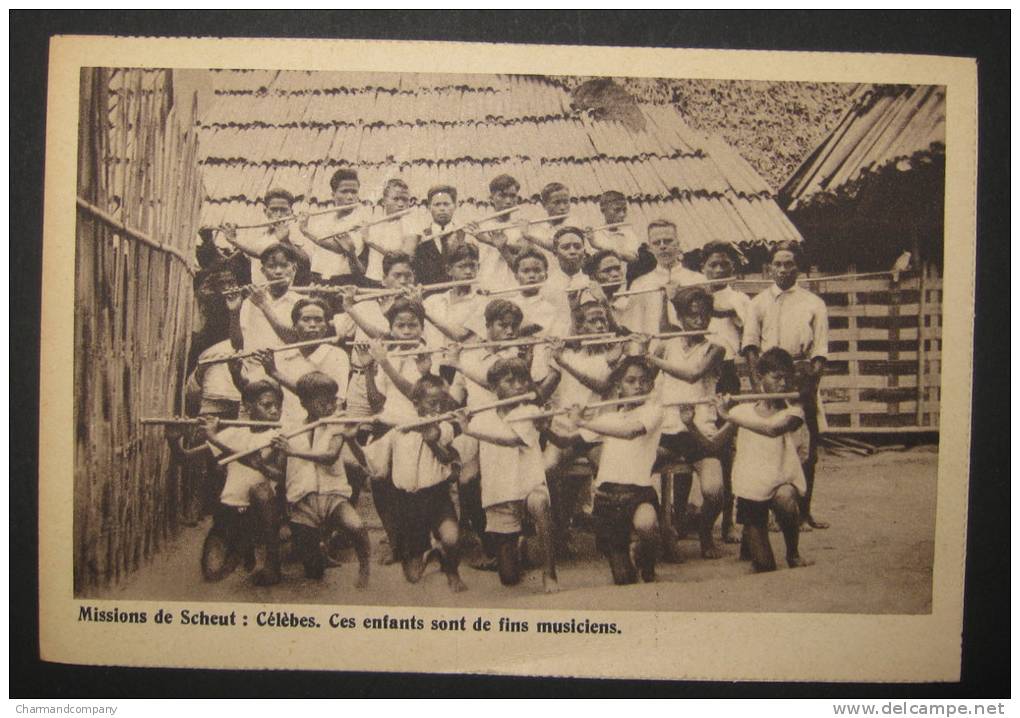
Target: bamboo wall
x=139 y=196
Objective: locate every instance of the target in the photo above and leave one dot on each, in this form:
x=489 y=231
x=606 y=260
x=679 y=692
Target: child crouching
x=625 y=500
x=318 y=491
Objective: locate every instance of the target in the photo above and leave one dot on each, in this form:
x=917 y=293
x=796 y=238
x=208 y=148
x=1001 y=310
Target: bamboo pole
x=286 y=435
x=470 y=411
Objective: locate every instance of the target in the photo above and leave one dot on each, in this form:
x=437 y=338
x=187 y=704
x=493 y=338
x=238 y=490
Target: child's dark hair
x=279 y=248
x=343 y=174
x=591 y=264
x=567 y=230
x=775 y=359
x=687 y=296
x=501 y=183
x=788 y=246
x=550 y=189
x=664 y=223
x=461 y=252
x=428 y=382
x=441 y=189
x=724 y=248
x=578 y=311
x=279 y=193
x=254 y=389
x=529 y=253
x=395 y=183
x=499 y=308
x=616 y=376
x=610 y=196
x=508 y=367
x=401 y=306
x=300 y=304
x=315 y=383
x=391 y=260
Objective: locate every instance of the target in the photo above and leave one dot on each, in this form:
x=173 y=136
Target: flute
x=271 y=222
x=521 y=398
x=288 y=435
x=528 y=223
x=611 y=225
x=195 y=421
x=253 y=352
x=345 y=420
x=370 y=223
x=327 y=289
x=252 y=287
x=596 y=405
x=528 y=341
x=635 y=337
x=486 y=218
x=382 y=293
x=511 y=290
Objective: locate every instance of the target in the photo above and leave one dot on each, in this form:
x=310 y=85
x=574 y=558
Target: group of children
x=551 y=378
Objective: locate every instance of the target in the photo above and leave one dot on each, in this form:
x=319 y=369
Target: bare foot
x=549 y=583
x=806 y=528
x=730 y=535
x=455 y=583
x=362 y=582
x=798 y=561
x=711 y=551
x=816 y=524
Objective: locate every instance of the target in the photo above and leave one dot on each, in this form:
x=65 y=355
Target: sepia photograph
x=464 y=345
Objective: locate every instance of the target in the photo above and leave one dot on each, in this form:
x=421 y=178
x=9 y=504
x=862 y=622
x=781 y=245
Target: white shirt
x=372 y=313
x=557 y=288
x=620 y=240
x=293 y=365
x=478 y=362
x=545 y=232
x=795 y=320
x=309 y=477
x=455 y=310
x=644 y=313
x=672 y=389
x=570 y=392
x=241 y=479
x=630 y=461
x=390 y=236
x=415 y=465
x=509 y=473
x=493 y=271
x=398 y=407
x=217 y=383
x=256 y=331
x=324 y=261
x=727 y=330
x=764 y=463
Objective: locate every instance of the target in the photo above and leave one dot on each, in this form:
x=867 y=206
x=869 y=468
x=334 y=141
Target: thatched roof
x=876 y=186
x=294 y=129
x=887 y=125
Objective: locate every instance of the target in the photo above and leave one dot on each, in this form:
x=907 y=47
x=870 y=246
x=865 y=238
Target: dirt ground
x=876 y=558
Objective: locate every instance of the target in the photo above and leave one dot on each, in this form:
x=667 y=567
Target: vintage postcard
x=522 y=360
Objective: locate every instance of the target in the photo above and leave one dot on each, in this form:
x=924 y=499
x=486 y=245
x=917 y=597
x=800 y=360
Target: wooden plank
x=853 y=363
x=871 y=310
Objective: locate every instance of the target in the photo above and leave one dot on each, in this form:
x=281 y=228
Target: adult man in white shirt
x=792 y=318
x=647 y=312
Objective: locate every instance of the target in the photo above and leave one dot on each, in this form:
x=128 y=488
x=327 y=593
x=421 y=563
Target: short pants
x=417 y=515
x=615 y=505
x=316 y=510
x=683 y=446
x=510 y=517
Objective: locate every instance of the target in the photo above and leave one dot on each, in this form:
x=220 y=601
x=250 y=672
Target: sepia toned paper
x=641 y=632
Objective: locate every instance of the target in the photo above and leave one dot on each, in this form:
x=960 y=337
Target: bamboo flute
x=251 y=287
x=195 y=421
x=612 y=225
x=528 y=223
x=511 y=290
x=738 y=398
x=287 y=435
x=480 y=220
x=529 y=396
x=381 y=294
x=370 y=223
x=281 y=348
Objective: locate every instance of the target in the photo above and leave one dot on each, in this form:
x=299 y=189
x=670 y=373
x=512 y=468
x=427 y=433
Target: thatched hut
x=294 y=129
x=876 y=186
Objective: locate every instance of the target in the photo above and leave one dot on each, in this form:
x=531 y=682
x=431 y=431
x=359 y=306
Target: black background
x=984 y=35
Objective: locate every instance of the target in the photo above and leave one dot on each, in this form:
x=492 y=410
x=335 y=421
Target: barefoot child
x=420 y=465
x=690 y=371
x=317 y=487
x=625 y=500
x=250 y=483
x=767 y=473
x=513 y=474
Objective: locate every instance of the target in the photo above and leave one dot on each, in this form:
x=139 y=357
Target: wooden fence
x=139 y=194
x=885 y=348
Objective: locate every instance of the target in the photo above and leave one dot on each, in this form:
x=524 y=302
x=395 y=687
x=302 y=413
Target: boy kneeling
x=625 y=500
x=317 y=487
